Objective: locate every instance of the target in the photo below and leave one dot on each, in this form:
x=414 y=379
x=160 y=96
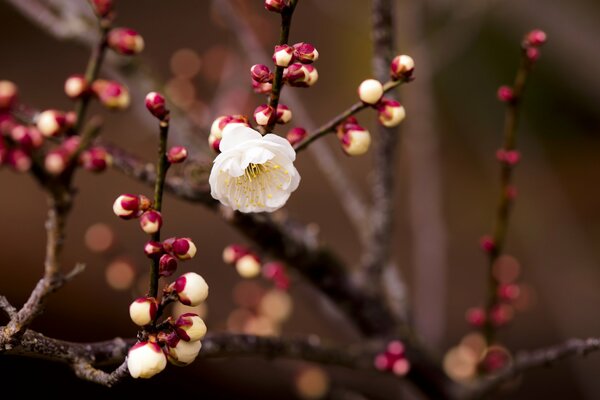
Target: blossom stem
x=286 y=23
x=329 y=126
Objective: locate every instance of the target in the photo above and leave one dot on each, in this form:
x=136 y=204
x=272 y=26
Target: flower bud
x=102 y=8
x=143 y=310
x=501 y=314
x=190 y=327
x=261 y=73
x=191 y=289
x=95 y=159
x=300 y=75
x=263 y=114
x=508 y=291
x=19 y=160
x=167 y=265
x=532 y=54
x=183 y=353
x=145 y=360
x=153 y=248
x=402 y=67
x=390 y=112
x=296 y=135
x=112 y=95
x=28 y=138
x=475 y=316
x=51 y=123
x=505 y=94
x=275 y=272
x=508 y=157
x=56 y=161
x=355 y=140
x=151 y=221
x=182 y=248
x=536 y=38
x=156 y=104
x=233 y=252
x=216 y=129
x=284 y=114
x=283 y=55
x=126 y=206
x=487 y=244
x=305 y=53
x=177 y=154
x=248 y=266
x=262 y=88
x=8 y=95
x=76 y=86
x=125 y=41
x=276 y=5
x=370 y=91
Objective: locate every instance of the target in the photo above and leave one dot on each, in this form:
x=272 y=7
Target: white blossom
x=145 y=360
x=253 y=173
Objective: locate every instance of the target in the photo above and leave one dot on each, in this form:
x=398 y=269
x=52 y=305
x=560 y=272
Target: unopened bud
x=76 y=86
x=263 y=114
x=487 y=244
x=145 y=359
x=19 y=160
x=167 y=265
x=191 y=289
x=151 y=221
x=56 y=161
x=508 y=291
x=28 y=138
x=370 y=91
x=300 y=75
x=355 y=140
x=283 y=55
x=501 y=315
x=233 y=252
x=112 y=95
x=182 y=248
x=102 y=7
x=305 y=53
x=390 y=112
x=505 y=94
x=533 y=54
x=177 y=154
x=276 y=5
x=183 y=353
x=475 y=316
x=216 y=129
x=143 y=310
x=508 y=157
x=402 y=67
x=51 y=123
x=296 y=135
x=125 y=41
x=126 y=206
x=190 y=327
x=95 y=159
x=261 y=73
x=8 y=95
x=248 y=266
x=275 y=272
x=284 y=114
x=156 y=104
x=153 y=248
x=262 y=88
x=536 y=38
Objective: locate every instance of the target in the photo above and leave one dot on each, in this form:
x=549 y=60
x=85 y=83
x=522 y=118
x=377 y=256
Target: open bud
x=390 y=112
x=145 y=360
x=263 y=114
x=56 y=161
x=402 y=67
x=177 y=154
x=284 y=114
x=191 y=289
x=151 y=221
x=261 y=73
x=370 y=91
x=156 y=104
x=102 y=8
x=536 y=38
x=143 y=310
x=126 y=206
x=355 y=140
x=296 y=135
x=153 y=248
x=300 y=75
x=248 y=266
x=167 y=265
x=505 y=94
x=51 y=123
x=305 y=53
x=8 y=95
x=112 y=95
x=95 y=159
x=276 y=5
x=125 y=41
x=76 y=86
x=233 y=252
x=190 y=327
x=183 y=353
x=19 y=160
x=283 y=55
x=182 y=248
x=28 y=138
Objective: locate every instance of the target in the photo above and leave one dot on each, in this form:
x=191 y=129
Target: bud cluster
x=393 y=359
x=531 y=44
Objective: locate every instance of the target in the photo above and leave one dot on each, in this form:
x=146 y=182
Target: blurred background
x=446 y=178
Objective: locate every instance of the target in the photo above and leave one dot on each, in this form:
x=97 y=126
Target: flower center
x=258 y=183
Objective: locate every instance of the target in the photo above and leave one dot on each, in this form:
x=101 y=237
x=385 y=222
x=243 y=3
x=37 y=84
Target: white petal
x=256 y=155
x=281 y=144
x=235 y=135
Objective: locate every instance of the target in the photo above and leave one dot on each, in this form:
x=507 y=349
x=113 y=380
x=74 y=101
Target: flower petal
x=234 y=135
x=280 y=143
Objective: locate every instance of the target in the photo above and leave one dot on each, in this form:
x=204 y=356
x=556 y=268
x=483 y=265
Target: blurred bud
x=167 y=265
x=475 y=316
x=390 y=112
x=402 y=67
x=275 y=272
x=8 y=95
x=355 y=140
x=511 y=192
x=505 y=94
x=177 y=154
x=76 y=86
x=19 y=160
x=508 y=291
x=153 y=248
x=300 y=75
x=276 y=5
x=56 y=161
x=143 y=310
x=284 y=114
x=486 y=242
x=305 y=53
x=370 y=91
x=495 y=359
x=145 y=360
x=28 y=138
x=190 y=327
x=233 y=252
x=536 y=38
x=501 y=314
x=261 y=73
x=95 y=159
x=111 y=94
x=533 y=54
x=296 y=135
x=248 y=266
x=263 y=114
x=102 y=8
x=125 y=41
x=3 y=151
x=156 y=104
x=182 y=353
x=51 y=123
x=283 y=55
x=151 y=221
x=126 y=206
x=509 y=157
x=191 y=289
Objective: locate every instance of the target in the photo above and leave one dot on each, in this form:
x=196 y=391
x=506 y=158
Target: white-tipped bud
x=355 y=140
x=76 y=86
x=284 y=114
x=125 y=41
x=390 y=112
x=370 y=91
x=190 y=327
x=216 y=129
x=145 y=360
x=51 y=123
x=153 y=248
x=126 y=206
x=112 y=95
x=263 y=114
x=191 y=289
x=151 y=222
x=184 y=353
x=177 y=154
x=182 y=248
x=233 y=252
x=283 y=55
x=56 y=161
x=143 y=310
x=248 y=266
x=305 y=53
x=402 y=67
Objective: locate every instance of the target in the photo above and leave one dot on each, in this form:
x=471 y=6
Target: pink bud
x=28 y=138
x=76 y=86
x=248 y=266
x=182 y=248
x=263 y=114
x=143 y=310
x=151 y=222
x=19 y=160
x=508 y=291
x=191 y=289
x=390 y=112
x=102 y=7
x=261 y=73
x=501 y=314
x=296 y=135
x=262 y=88
x=533 y=54
x=402 y=67
x=370 y=91
x=536 y=38
x=56 y=161
x=401 y=367
x=112 y=95
x=234 y=252
x=305 y=53
x=300 y=75
x=125 y=41
x=8 y=95
x=153 y=248
x=511 y=192
x=216 y=129
x=95 y=159
x=495 y=359
x=284 y=114
x=51 y=123
x=505 y=94
x=475 y=316
x=177 y=154
x=283 y=55
x=276 y=5
x=190 y=327
x=396 y=348
x=126 y=206
x=156 y=104
x=487 y=244
x=509 y=157
x=275 y=272
x=167 y=265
